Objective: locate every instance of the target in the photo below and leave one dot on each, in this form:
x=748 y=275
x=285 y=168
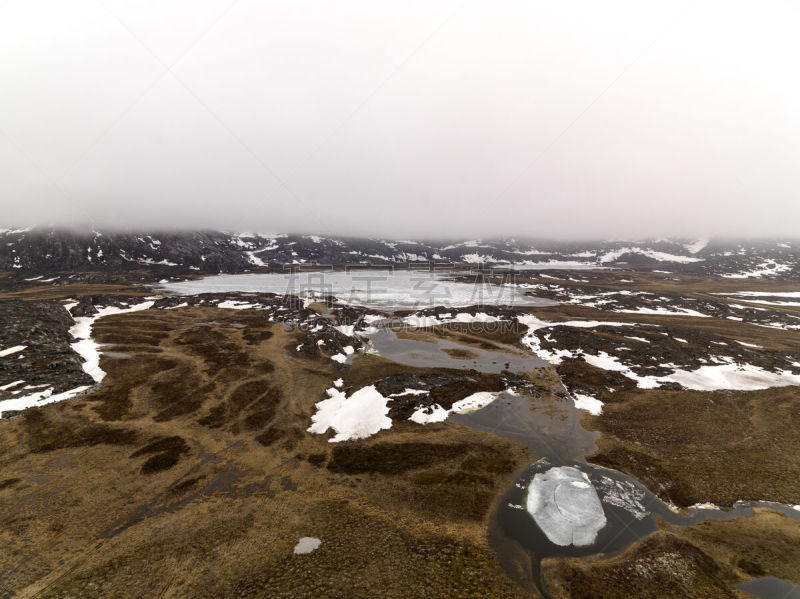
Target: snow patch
x=769 y=267
x=359 y=416
x=434 y=413
x=586 y=402
x=437 y=413
x=695 y=246
x=236 y=305
x=306 y=545
x=11 y=384
x=12 y=350
x=39 y=398
x=655 y=255
x=86 y=347
x=474 y=402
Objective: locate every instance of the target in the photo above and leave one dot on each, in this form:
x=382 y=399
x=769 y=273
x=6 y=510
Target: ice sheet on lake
x=423 y=322
x=372 y=288
x=624 y=494
x=566 y=507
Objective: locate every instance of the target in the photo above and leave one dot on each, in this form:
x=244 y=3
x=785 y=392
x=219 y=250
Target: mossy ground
x=190 y=474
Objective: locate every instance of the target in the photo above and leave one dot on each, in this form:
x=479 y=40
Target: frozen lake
x=381 y=289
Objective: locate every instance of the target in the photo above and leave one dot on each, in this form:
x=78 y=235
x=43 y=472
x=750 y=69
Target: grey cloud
x=410 y=118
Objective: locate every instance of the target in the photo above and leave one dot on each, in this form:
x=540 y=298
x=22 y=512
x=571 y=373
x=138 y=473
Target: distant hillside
x=42 y=250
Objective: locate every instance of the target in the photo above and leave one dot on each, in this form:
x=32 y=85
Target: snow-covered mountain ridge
x=48 y=250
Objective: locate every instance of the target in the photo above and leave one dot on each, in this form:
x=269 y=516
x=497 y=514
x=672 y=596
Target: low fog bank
x=452 y=119
x=443 y=237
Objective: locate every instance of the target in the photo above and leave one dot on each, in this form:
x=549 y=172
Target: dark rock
x=48 y=359
x=83 y=308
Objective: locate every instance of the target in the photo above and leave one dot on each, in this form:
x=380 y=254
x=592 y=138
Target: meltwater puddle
x=769 y=587
x=443 y=353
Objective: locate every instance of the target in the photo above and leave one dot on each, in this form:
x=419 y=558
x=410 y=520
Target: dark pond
x=769 y=587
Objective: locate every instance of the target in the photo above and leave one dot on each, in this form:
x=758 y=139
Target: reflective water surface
x=381 y=289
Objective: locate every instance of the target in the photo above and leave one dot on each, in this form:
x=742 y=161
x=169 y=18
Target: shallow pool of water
x=433 y=353
x=769 y=587
x=382 y=289
x=548 y=425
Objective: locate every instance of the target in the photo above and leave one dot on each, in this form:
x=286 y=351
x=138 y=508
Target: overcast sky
x=403 y=118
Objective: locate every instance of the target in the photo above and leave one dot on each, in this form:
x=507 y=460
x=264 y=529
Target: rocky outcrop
x=47 y=360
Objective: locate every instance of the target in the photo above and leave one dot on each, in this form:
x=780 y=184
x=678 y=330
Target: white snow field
x=725 y=375
x=566 y=507
x=370 y=288
x=655 y=255
x=757 y=297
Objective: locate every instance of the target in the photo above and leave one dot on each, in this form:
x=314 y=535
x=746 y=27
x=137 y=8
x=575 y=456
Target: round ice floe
x=307 y=545
x=566 y=507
